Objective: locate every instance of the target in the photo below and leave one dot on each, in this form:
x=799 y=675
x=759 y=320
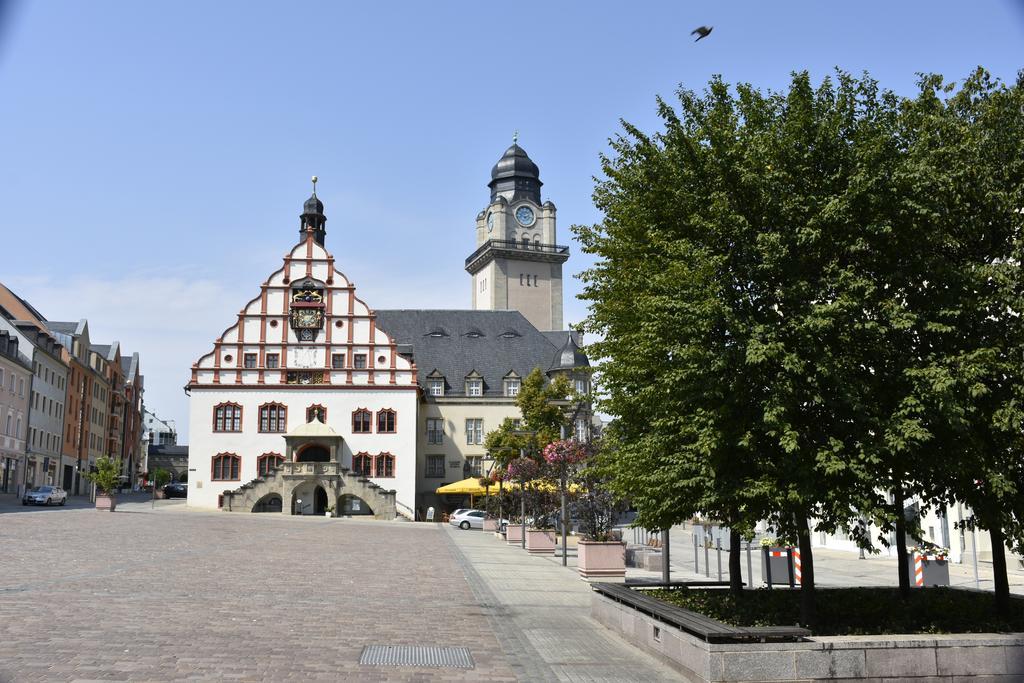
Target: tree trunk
x=808 y=609
x=735 y=577
x=902 y=561
x=1002 y=584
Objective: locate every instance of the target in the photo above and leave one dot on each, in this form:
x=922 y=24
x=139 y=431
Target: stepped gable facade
x=305 y=350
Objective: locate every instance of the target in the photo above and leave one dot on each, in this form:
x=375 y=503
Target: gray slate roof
x=61 y=327
x=445 y=341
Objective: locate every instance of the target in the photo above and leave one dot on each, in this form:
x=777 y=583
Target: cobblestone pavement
x=173 y=594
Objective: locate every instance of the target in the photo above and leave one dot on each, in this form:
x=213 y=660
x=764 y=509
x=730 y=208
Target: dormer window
x=509 y=334
x=512 y=385
x=436 y=387
x=474 y=387
x=437 y=332
x=473 y=333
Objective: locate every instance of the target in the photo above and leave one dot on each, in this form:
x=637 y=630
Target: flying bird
x=704 y=32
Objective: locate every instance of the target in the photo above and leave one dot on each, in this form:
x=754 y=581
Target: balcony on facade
x=522 y=251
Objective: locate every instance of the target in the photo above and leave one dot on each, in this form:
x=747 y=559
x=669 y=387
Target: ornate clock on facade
x=307 y=309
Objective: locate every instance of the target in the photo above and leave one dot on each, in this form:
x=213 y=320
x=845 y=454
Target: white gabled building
x=304 y=401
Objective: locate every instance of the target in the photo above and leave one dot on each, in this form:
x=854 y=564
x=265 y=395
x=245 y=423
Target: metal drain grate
x=417 y=655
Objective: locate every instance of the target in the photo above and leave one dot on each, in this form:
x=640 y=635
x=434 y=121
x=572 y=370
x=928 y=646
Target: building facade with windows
x=46 y=402
x=304 y=402
x=312 y=399
x=15 y=389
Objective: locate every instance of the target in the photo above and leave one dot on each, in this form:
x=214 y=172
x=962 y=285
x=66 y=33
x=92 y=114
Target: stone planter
x=105 y=502
x=490 y=525
x=780 y=558
x=540 y=541
x=929 y=570
x=159 y=494
x=328 y=513
x=514 y=534
x=602 y=561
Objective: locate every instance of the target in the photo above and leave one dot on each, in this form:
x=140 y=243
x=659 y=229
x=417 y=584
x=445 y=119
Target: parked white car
x=466 y=518
x=45 y=495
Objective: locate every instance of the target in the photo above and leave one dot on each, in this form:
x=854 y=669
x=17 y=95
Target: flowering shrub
x=523 y=469
x=566 y=452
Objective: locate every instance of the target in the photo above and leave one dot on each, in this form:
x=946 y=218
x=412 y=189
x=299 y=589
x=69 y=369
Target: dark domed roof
x=515 y=176
x=515 y=162
x=569 y=356
x=313 y=205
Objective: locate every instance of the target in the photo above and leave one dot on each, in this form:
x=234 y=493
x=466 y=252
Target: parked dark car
x=176 y=489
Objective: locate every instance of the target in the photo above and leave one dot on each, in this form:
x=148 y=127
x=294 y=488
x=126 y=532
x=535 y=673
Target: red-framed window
x=225 y=467
x=268 y=462
x=318 y=411
x=273 y=417
x=362 y=421
x=362 y=464
x=227 y=417
x=386 y=420
x=384 y=465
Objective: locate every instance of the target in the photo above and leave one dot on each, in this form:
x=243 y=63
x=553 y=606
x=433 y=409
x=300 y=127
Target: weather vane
x=515 y=137
x=314 y=185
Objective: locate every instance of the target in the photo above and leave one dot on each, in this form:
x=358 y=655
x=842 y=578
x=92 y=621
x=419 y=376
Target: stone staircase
x=335 y=480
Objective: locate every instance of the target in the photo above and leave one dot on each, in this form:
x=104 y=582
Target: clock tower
x=517 y=264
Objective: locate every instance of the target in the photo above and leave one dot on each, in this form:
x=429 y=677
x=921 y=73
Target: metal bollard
x=719 y=549
x=707 y=565
x=767 y=566
x=750 y=567
x=696 y=556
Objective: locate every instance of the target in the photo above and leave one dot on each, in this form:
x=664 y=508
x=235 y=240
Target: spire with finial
x=313 y=217
x=515 y=137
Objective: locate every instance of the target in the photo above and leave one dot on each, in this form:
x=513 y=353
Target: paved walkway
x=172 y=594
x=541 y=614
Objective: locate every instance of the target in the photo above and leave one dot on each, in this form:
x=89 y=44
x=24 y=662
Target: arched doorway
x=314 y=453
x=353 y=505
x=269 y=503
x=319 y=501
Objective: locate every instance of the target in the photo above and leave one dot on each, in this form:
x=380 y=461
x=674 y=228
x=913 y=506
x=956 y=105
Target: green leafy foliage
x=854 y=611
x=107 y=475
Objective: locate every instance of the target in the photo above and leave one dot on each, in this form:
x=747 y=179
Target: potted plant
x=540 y=535
x=106 y=475
x=600 y=557
x=329 y=511
x=160 y=477
x=930 y=564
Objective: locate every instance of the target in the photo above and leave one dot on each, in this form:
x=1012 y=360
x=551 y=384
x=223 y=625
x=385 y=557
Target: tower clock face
x=524 y=215
x=490 y=221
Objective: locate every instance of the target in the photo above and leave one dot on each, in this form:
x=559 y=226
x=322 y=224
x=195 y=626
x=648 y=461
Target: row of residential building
x=64 y=402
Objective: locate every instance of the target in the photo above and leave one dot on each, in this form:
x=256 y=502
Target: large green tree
x=781 y=292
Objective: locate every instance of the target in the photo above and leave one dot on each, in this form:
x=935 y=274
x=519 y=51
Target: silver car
x=45 y=495
x=466 y=519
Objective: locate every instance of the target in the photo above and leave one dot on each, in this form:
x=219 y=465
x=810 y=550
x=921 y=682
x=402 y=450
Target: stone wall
x=879 y=659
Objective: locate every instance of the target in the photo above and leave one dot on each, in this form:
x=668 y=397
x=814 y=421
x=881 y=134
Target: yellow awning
x=471 y=486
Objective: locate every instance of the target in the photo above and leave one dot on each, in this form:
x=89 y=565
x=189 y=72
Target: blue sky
x=155 y=155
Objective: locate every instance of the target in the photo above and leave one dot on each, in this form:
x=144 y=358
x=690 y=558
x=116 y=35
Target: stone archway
x=272 y=502
x=313 y=452
x=349 y=504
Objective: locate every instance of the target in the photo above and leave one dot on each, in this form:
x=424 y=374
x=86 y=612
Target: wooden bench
x=695 y=624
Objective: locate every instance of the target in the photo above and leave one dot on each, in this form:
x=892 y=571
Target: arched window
x=386 y=421
x=225 y=467
x=227 y=417
x=362 y=421
x=273 y=417
x=362 y=464
x=318 y=411
x=385 y=465
x=268 y=462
